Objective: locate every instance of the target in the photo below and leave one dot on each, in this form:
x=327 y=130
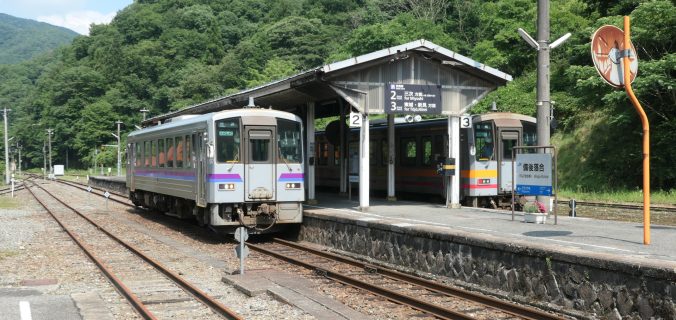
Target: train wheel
x=201 y=216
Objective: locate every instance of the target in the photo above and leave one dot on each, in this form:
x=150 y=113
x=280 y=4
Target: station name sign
x=412 y=98
x=534 y=174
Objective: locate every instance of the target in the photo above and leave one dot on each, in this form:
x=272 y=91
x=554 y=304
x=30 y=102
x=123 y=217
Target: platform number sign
x=355 y=120
x=465 y=122
x=412 y=99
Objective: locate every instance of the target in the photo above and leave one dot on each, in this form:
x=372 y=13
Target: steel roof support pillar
x=343 y=149
x=310 y=168
x=454 y=152
x=364 y=174
x=390 y=159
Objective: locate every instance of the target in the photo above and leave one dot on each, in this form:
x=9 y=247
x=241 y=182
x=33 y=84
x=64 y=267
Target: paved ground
x=610 y=237
x=24 y=304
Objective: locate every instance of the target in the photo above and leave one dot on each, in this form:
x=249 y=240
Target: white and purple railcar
x=226 y=169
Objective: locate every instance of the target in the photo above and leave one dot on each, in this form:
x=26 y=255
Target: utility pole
x=19 y=147
x=543 y=103
x=50 y=132
x=4 y=115
x=119 y=159
x=44 y=159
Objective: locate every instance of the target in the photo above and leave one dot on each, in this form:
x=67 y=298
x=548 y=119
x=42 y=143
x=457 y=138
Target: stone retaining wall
x=112 y=184
x=597 y=285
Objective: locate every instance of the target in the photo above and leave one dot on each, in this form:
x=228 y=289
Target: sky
x=76 y=15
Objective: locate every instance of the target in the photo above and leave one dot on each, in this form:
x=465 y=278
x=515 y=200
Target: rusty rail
x=513 y=309
x=194 y=291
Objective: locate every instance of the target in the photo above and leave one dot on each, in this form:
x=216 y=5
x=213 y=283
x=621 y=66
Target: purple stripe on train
x=224 y=177
x=291 y=177
x=188 y=176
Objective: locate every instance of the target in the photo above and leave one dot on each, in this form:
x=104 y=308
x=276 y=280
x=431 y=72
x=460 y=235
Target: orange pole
x=646 y=134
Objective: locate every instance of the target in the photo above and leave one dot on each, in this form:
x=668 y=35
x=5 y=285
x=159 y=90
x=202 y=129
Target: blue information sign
x=533 y=174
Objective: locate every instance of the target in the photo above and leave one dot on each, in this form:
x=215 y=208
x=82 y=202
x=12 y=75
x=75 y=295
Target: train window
x=179 y=152
x=427 y=150
x=289 y=141
x=188 y=152
x=139 y=154
x=227 y=140
x=507 y=146
x=153 y=158
x=161 y=156
x=259 y=145
x=483 y=140
x=409 y=152
x=385 y=152
x=147 y=155
x=323 y=153
x=529 y=137
x=171 y=152
x=439 y=149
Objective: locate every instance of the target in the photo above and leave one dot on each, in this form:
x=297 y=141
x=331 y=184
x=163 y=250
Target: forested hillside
x=165 y=54
x=22 y=39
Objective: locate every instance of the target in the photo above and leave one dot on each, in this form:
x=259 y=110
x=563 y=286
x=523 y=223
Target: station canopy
x=362 y=82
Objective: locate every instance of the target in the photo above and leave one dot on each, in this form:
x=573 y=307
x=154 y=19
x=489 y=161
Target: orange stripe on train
x=479 y=173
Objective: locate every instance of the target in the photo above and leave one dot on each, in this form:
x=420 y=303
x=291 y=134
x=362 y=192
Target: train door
x=199 y=146
x=259 y=176
x=509 y=138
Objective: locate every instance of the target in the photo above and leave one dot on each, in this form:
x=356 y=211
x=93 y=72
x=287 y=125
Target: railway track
x=660 y=208
x=618 y=205
x=426 y=296
x=382 y=282
x=152 y=289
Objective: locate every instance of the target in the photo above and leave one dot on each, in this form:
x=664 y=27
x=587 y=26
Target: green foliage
x=165 y=54
x=23 y=39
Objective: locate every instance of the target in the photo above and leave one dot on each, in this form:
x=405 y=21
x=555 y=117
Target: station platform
x=581 y=265
x=582 y=235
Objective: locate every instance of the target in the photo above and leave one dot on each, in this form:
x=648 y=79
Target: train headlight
x=226 y=187
x=291 y=186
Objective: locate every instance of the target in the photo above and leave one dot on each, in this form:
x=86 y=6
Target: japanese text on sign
x=413 y=98
x=534 y=174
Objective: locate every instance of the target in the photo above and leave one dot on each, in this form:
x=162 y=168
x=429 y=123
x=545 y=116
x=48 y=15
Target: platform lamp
x=144 y=111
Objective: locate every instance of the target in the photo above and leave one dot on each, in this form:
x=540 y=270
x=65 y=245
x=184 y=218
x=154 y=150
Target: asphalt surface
x=24 y=304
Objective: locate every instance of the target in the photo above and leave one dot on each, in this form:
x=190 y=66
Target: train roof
x=504 y=119
x=186 y=120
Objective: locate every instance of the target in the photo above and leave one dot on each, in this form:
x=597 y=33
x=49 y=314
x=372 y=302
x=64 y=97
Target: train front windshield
x=289 y=141
x=227 y=140
x=483 y=140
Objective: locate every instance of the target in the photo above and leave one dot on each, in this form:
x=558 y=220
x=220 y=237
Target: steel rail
x=126 y=292
x=513 y=309
x=618 y=205
x=80 y=186
x=420 y=305
x=196 y=292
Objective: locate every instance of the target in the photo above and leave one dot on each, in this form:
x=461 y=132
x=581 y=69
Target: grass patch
x=9 y=203
x=620 y=196
x=4 y=254
x=580 y=180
